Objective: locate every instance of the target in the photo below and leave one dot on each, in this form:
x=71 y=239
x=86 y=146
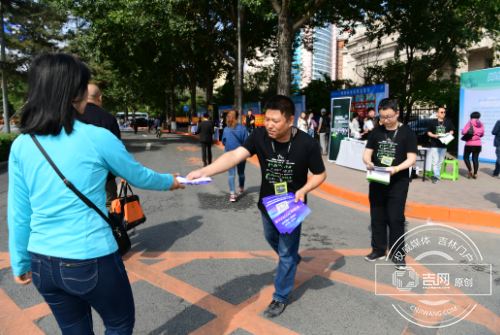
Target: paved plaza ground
x=201 y=265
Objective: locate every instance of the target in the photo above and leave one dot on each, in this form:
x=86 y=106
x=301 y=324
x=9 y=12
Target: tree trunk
x=133 y=111
x=192 y=89
x=236 y=88
x=171 y=96
x=285 y=52
x=210 y=89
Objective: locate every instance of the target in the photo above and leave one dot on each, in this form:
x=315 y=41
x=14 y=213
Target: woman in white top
x=354 y=126
x=302 y=124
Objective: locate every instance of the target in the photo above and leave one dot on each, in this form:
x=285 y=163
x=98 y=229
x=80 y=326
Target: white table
x=351 y=154
x=216 y=134
x=194 y=129
x=424 y=161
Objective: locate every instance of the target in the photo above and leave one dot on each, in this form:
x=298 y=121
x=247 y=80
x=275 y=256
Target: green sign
x=341 y=108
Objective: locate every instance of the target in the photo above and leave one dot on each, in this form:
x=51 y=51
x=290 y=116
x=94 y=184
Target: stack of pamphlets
x=285 y=213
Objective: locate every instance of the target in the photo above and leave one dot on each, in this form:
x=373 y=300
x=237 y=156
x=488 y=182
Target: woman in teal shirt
x=56 y=240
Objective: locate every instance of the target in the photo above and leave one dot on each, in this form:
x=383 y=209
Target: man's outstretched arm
x=222 y=164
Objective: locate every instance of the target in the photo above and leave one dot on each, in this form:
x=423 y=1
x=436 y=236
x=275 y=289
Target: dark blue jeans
x=287 y=248
x=70 y=287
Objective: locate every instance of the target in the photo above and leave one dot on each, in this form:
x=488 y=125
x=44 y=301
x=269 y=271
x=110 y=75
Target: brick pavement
x=480 y=194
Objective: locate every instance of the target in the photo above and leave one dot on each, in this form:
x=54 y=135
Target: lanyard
x=288 y=153
x=395 y=134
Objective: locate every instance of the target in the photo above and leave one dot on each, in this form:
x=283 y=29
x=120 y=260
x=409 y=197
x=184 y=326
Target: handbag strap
x=70 y=185
x=237 y=139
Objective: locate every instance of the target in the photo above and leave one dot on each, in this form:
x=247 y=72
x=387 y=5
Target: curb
x=413 y=209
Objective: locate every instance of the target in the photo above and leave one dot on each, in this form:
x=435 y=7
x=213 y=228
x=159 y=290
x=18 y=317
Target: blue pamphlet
x=285 y=213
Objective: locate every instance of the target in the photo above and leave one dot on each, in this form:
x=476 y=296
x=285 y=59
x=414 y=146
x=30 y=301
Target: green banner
x=340 y=125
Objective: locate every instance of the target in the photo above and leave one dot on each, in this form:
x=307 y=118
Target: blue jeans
x=287 y=248
x=70 y=287
x=497 y=164
x=241 y=176
x=311 y=133
x=438 y=155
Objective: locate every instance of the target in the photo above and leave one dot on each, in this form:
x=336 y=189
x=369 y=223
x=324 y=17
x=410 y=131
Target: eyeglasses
x=442 y=112
x=387 y=117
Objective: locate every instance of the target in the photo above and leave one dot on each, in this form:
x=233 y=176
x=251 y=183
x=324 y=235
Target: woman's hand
x=24 y=279
x=196 y=174
x=176 y=185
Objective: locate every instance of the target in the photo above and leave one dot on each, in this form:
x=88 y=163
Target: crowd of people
x=61 y=245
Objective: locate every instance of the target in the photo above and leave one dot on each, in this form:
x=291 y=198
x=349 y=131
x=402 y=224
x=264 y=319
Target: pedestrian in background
x=101 y=118
x=436 y=128
x=134 y=125
x=250 y=122
x=354 y=126
x=206 y=132
x=473 y=145
x=57 y=241
x=496 y=143
x=233 y=137
x=324 y=131
x=302 y=123
x=312 y=125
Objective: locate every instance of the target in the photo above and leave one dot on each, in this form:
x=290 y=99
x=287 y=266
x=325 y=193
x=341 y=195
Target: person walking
x=134 y=125
x=234 y=136
x=496 y=143
x=250 y=122
x=222 y=124
x=302 y=123
x=312 y=125
x=56 y=241
x=324 y=131
x=206 y=132
x=391 y=145
x=286 y=155
x=473 y=145
x=101 y=118
x=437 y=128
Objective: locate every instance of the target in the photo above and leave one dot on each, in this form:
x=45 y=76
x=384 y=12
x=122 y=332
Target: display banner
x=300 y=106
x=259 y=120
x=200 y=111
x=340 y=125
x=254 y=106
x=480 y=92
x=363 y=97
x=181 y=119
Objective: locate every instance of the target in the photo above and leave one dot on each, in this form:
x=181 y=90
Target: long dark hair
x=54 y=81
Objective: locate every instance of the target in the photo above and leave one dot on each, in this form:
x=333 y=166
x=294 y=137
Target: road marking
x=144 y=135
x=148 y=146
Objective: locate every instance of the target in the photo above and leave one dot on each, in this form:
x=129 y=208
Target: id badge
x=387 y=160
x=280 y=188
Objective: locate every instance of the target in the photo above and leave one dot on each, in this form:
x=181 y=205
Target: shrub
x=5 y=143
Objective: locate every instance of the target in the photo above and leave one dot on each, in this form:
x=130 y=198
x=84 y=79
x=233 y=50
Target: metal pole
x=240 y=68
x=6 y=118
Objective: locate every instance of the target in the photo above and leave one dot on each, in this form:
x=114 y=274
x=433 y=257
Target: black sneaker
x=373 y=257
x=300 y=260
x=435 y=180
x=275 y=308
x=400 y=265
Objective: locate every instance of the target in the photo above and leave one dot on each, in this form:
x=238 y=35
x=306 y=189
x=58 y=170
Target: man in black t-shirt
x=250 y=122
x=436 y=129
x=391 y=145
x=285 y=156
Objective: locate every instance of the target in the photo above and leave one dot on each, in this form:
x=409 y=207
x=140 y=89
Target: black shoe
x=435 y=180
x=373 y=257
x=275 y=308
x=300 y=260
x=400 y=265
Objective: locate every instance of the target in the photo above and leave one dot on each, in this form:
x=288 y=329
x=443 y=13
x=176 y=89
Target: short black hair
x=388 y=103
x=370 y=109
x=439 y=107
x=205 y=115
x=54 y=81
x=475 y=115
x=282 y=103
x=355 y=115
x=251 y=111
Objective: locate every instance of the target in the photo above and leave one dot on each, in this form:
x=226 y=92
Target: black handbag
x=114 y=221
x=469 y=133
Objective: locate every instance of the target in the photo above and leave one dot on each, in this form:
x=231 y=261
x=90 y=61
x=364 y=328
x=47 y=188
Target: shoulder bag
x=115 y=222
x=469 y=133
x=128 y=207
